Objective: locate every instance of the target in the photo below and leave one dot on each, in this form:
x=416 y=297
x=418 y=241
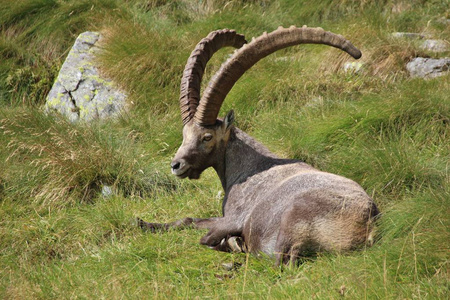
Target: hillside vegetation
x=61 y=238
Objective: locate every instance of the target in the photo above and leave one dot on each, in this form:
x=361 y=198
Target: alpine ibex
x=281 y=207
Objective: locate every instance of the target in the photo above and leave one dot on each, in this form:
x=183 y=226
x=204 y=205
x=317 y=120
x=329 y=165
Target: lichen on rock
x=80 y=92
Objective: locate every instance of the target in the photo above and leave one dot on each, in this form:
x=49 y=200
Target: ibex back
x=277 y=206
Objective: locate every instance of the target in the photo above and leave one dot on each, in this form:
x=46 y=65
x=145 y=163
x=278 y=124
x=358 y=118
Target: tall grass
x=61 y=237
x=57 y=163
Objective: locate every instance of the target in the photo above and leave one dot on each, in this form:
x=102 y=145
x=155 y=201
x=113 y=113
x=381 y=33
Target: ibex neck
x=243 y=158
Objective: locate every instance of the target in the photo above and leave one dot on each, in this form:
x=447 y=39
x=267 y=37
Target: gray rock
x=284 y=59
x=435 y=45
x=80 y=92
x=444 y=20
x=408 y=35
x=107 y=191
x=353 y=67
x=231 y=266
x=428 y=44
x=428 y=67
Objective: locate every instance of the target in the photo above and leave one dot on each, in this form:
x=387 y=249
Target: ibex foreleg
x=220 y=231
x=179 y=224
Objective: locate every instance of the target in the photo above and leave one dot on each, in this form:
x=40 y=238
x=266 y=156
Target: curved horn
x=195 y=66
x=245 y=57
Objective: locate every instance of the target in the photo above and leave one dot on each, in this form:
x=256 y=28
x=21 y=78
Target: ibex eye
x=207 y=137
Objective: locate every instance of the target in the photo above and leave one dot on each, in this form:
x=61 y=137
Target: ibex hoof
x=236 y=244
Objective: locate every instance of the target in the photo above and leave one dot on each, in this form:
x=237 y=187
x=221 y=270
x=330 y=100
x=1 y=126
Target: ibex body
x=277 y=206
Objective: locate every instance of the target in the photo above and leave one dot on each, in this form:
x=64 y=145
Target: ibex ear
x=229 y=119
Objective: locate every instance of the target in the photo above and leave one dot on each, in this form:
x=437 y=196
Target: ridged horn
x=245 y=57
x=195 y=66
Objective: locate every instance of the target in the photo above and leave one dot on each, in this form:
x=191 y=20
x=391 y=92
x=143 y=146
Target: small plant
x=29 y=86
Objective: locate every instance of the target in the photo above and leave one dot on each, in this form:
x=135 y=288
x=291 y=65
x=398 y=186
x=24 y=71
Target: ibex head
x=204 y=136
x=202 y=147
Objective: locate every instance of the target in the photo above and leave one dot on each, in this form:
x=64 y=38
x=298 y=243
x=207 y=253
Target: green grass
x=61 y=238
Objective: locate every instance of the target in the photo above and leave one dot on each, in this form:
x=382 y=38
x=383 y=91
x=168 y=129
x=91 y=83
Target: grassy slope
x=59 y=238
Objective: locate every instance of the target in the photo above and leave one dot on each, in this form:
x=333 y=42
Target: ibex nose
x=175 y=165
x=179 y=167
